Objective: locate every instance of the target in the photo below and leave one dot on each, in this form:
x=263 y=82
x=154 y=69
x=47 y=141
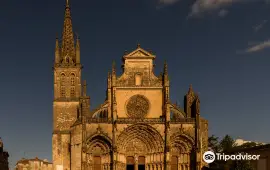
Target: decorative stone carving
x=190 y=132
x=65 y=119
x=137 y=106
x=135 y=146
x=148 y=79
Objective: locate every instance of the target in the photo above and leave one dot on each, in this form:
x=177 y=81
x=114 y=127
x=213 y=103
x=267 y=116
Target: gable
x=139 y=53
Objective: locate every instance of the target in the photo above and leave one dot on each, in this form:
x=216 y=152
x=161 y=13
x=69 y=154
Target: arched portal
x=181 y=150
x=130 y=163
x=98 y=152
x=143 y=143
x=141 y=163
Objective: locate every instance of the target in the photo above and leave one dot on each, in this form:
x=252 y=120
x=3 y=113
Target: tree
x=227 y=143
x=213 y=143
x=241 y=165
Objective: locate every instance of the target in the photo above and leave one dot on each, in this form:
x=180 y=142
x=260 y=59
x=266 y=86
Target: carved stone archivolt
x=98 y=145
x=135 y=146
x=142 y=136
x=137 y=106
x=181 y=142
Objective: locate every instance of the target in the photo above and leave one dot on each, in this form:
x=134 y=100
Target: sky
x=221 y=47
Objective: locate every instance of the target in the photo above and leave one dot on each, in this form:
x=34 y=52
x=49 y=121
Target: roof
x=26 y=161
x=255 y=148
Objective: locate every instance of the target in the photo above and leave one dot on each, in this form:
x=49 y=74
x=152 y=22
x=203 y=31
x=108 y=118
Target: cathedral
x=136 y=128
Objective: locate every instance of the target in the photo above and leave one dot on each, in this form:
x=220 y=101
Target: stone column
x=136 y=165
x=159 y=166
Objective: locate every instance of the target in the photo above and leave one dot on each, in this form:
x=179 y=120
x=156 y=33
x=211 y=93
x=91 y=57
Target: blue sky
x=218 y=46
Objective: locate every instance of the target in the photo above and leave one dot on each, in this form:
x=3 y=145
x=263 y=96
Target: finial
x=84 y=88
x=138 y=45
x=77 y=36
x=190 y=88
x=67 y=3
x=126 y=52
x=165 y=67
x=113 y=67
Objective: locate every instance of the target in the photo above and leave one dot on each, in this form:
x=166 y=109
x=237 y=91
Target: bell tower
x=67 y=91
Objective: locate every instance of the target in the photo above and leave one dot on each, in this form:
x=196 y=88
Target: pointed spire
x=67 y=3
x=190 y=89
x=78 y=50
x=57 y=52
x=113 y=68
x=109 y=80
x=68 y=37
x=165 y=69
x=84 y=88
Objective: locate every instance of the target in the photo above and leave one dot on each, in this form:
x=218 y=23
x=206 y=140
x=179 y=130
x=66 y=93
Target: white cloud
x=256 y=28
x=203 y=6
x=259 y=47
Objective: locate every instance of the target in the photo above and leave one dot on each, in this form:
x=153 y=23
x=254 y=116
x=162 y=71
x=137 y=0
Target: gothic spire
x=78 y=51
x=84 y=88
x=165 y=68
x=190 y=89
x=113 y=68
x=68 y=37
x=57 y=52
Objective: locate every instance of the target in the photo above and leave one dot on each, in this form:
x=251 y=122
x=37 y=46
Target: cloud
x=201 y=6
x=259 y=47
x=223 y=13
x=256 y=28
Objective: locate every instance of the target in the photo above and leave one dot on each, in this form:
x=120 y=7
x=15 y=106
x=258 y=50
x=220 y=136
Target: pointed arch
x=72 y=85
x=149 y=137
x=181 y=142
x=98 y=144
x=63 y=85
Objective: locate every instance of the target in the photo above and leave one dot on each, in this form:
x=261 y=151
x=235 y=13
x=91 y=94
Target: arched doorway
x=144 y=144
x=130 y=163
x=141 y=163
x=98 y=152
x=181 y=149
x=97 y=163
x=174 y=163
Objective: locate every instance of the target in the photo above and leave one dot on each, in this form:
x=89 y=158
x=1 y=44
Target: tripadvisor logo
x=210 y=157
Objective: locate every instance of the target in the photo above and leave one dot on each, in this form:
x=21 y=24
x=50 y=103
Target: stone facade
x=3 y=157
x=33 y=164
x=137 y=127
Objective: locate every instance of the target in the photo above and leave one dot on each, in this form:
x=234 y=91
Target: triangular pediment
x=139 y=53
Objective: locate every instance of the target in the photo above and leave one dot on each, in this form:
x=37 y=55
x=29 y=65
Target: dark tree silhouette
x=226 y=145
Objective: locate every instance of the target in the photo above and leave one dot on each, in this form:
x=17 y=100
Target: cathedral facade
x=136 y=128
